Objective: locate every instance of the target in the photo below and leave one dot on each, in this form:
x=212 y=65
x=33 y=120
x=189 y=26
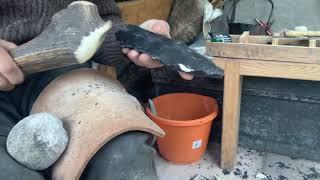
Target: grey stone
x=37 y=141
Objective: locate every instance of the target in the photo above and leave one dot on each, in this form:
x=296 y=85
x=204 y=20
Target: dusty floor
x=275 y=166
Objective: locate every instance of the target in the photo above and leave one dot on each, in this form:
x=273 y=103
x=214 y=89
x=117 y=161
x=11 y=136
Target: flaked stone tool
x=170 y=53
x=73 y=37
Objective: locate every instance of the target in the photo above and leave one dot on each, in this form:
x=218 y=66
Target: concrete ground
x=249 y=162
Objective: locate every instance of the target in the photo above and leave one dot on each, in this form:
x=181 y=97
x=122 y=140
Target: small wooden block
x=275 y=41
x=313 y=43
x=244 y=38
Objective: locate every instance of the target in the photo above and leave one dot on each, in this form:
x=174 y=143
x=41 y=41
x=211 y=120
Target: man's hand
x=10 y=74
x=159 y=27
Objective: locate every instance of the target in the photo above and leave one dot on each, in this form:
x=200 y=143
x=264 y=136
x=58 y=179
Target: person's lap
x=16 y=105
x=9 y=168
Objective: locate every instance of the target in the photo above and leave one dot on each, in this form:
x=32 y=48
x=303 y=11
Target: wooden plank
x=280 y=70
x=253 y=39
x=302 y=33
x=275 y=69
x=231 y=114
x=268 y=40
x=293 y=41
x=220 y=62
x=138 y=11
x=275 y=41
x=264 y=52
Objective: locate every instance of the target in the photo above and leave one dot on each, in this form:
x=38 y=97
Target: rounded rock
x=37 y=141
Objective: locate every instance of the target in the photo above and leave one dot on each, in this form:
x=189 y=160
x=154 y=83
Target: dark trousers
x=126 y=157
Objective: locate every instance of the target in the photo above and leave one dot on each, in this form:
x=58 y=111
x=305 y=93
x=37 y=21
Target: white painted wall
x=287 y=13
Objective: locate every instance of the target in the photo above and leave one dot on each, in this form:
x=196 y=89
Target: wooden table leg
x=231 y=113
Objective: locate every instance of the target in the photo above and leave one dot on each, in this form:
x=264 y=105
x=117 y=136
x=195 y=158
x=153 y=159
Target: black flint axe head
x=170 y=53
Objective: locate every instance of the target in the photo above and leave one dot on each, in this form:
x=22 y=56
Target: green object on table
x=215 y=37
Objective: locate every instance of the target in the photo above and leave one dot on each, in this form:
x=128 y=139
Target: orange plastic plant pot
x=186 y=119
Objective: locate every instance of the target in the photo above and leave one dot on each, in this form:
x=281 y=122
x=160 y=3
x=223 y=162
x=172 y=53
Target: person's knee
x=11 y=170
x=127 y=157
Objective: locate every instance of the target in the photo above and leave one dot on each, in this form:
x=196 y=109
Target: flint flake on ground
x=225 y=172
x=237 y=172
x=281 y=164
x=280 y=177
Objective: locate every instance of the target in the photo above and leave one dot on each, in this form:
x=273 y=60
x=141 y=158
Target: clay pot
x=94 y=109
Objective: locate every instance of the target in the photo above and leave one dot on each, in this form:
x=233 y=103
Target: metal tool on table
x=265 y=26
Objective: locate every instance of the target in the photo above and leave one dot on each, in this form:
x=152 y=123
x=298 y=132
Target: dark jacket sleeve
x=137 y=80
x=110 y=51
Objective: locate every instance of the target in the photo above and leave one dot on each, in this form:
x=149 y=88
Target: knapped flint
x=169 y=52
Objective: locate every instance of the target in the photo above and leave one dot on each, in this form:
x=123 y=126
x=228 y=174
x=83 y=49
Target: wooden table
x=294 y=58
